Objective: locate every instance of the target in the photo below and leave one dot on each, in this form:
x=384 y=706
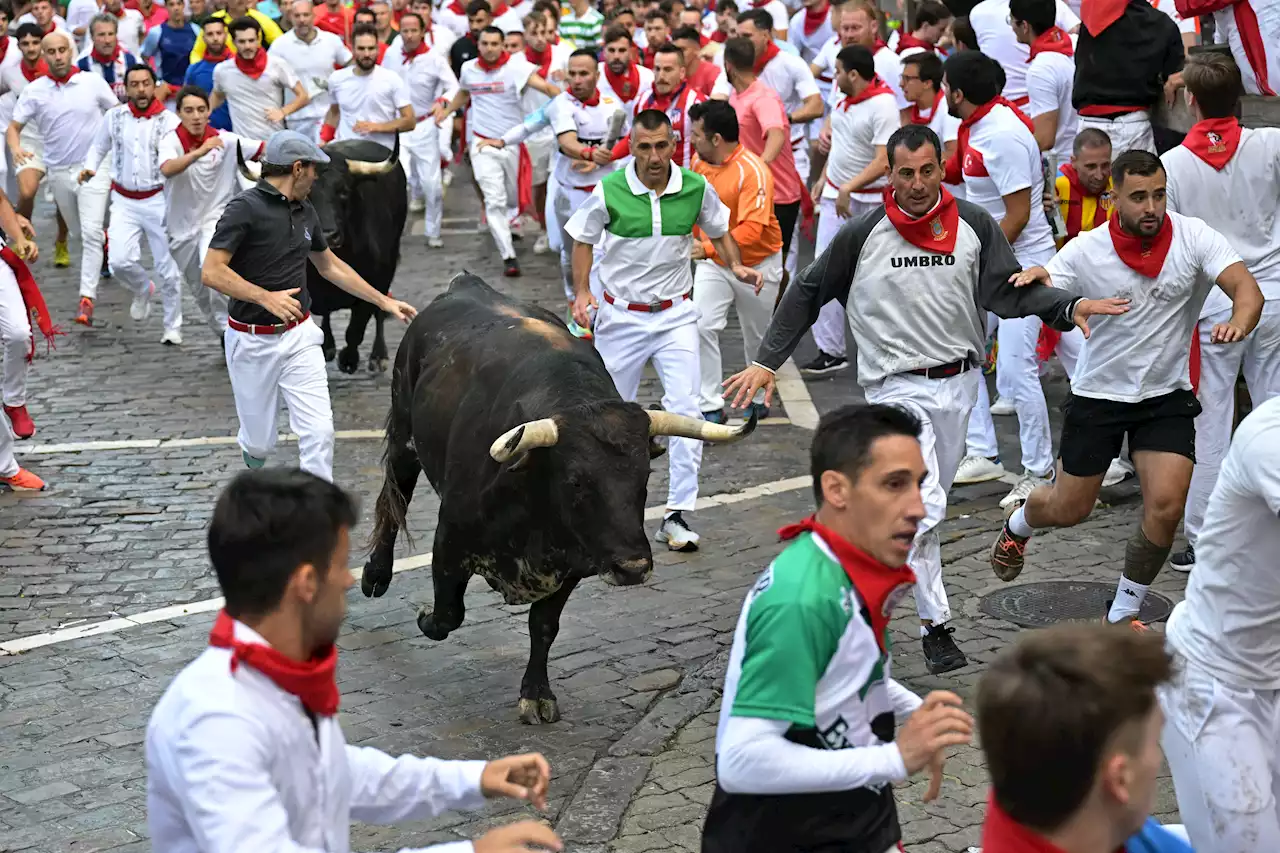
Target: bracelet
x=587 y=152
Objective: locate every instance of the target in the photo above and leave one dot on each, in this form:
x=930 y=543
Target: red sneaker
x=23 y=426
x=85 y=317
x=23 y=481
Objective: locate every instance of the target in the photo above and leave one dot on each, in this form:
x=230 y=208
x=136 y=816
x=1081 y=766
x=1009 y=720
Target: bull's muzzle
x=628 y=572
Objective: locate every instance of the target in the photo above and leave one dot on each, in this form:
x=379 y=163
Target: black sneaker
x=1184 y=560
x=824 y=364
x=511 y=267
x=940 y=652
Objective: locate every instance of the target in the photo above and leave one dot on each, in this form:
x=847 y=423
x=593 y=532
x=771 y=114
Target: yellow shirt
x=1080 y=211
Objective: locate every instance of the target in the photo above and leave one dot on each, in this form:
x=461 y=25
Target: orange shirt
x=745 y=185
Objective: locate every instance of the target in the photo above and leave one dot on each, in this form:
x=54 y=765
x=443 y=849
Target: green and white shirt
x=585 y=32
x=643 y=237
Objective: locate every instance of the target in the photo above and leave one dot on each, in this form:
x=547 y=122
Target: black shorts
x=1093 y=430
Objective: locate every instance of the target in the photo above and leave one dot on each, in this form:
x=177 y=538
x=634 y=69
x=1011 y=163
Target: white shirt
x=990 y=22
x=495 y=95
x=235 y=764
x=249 y=99
x=196 y=197
x=440 y=39
x=427 y=76
x=377 y=96
x=1050 y=77
x=789 y=76
x=779 y=12
x=1146 y=352
x=532 y=100
x=130 y=31
x=809 y=45
x=1185 y=25
x=855 y=133
x=131 y=144
x=79 y=14
x=1242 y=201
x=646 y=84
x=1229 y=623
x=59 y=23
x=566 y=113
x=67 y=115
x=12 y=82
x=313 y=62
x=889 y=67
x=1003 y=158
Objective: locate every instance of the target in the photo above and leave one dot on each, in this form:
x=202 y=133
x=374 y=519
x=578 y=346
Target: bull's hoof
x=329 y=351
x=379 y=365
x=536 y=712
x=349 y=360
x=375 y=580
x=430 y=626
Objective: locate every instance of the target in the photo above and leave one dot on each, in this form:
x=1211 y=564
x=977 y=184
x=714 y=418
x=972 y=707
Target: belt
x=649 y=307
x=135 y=194
x=942 y=371
x=257 y=329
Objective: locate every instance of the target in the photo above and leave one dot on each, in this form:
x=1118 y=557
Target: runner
x=106 y=57
x=253 y=86
x=932 y=21
x=213 y=36
x=620 y=75
x=366 y=100
x=20 y=304
x=170 y=43
x=313 y=54
x=1050 y=78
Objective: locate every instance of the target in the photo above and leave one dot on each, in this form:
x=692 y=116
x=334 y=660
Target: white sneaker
x=140 y=308
x=172 y=337
x=435 y=243
x=677 y=533
x=1019 y=493
x=418 y=205
x=977 y=469
x=1003 y=406
x=1117 y=472
x=447 y=179
x=541 y=246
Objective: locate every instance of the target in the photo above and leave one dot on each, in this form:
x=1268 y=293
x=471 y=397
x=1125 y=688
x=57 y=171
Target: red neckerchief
x=500 y=10
x=457 y=8
x=313 y=682
x=719 y=37
x=253 y=67
x=647 y=55
x=907 y=41
x=1097 y=15
x=759 y=4
x=917 y=118
x=53 y=25
x=875 y=87
x=933 y=232
x=1075 y=203
x=664 y=102
x=1052 y=40
x=1214 y=140
x=106 y=60
x=954 y=173
x=71 y=72
x=880 y=44
x=119 y=14
x=32 y=299
x=542 y=59
x=485 y=65
x=214 y=58
x=879 y=587
x=625 y=86
x=1143 y=255
x=4 y=46
x=41 y=69
x=815 y=17
x=1003 y=834
x=191 y=143
x=417 y=51
x=770 y=51
x=593 y=101
x=153 y=109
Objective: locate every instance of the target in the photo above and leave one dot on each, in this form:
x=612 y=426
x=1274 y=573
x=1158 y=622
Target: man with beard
x=1133 y=377
x=860 y=24
x=916 y=276
x=550 y=59
x=128 y=136
x=313 y=54
x=253 y=86
x=368 y=101
x=671 y=94
x=621 y=76
x=466 y=47
x=213 y=35
x=1050 y=75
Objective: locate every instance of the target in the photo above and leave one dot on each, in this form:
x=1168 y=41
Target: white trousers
x=1016 y=362
x=15 y=339
x=627 y=340
x=800 y=151
x=1220 y=364
x=828 y=330
x=495 y=172
x=567 y=201
x=131 y=220
x=715 y=288
x=1129 y=131
x=980 y=438
x=84 y=207
x=943 y=407
x=265 y=367
x=420 y=156
x=1223 y=748
x=8 y=462
x=188 y=255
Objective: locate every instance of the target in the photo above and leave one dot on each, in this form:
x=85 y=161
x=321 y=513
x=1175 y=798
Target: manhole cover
x=1037 y=605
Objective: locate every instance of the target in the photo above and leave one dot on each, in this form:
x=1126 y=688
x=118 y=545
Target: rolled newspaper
x=615 y=129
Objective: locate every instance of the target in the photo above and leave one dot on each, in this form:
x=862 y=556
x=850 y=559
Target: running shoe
x=23 y=481
x=23 y=426
x=61 y=257
x=85 y=317
x=1003 y=406
x=677 y=533
x=140 y=308
x=824 y=364
x=1023 y=489
x=1184 y=560
x=171 y=337
x=1135 y=624
x=1117 y=472
x=940 y=651
x=511 y=267
x=978 y=469
x=1008 y=555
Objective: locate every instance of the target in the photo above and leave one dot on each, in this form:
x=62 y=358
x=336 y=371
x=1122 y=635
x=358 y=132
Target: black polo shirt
x=269 y=238
x=1127 y=65
x=462 y=50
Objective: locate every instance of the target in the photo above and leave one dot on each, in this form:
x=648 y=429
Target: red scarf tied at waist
x=542 y=59
x=955 y=165
x=879 y=587
x=875 y=87
x=486 y=65
x=253 y=67
x=770 y=51
x=1214 y=140
x=1052 y=40
x=935 y=231
x=314 y=682
x=906 y=41
x=32 y=299
x=627 y=85
x=815 y=17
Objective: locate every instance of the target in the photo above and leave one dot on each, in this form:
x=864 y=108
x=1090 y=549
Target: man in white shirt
x=253 y=85
x=367 y=101
x=1133 y=376
x=432 y=85
x=128 y=136
x=130 y=28
x=1227 y=175
x=106 y=56
x=1219 y=733
x=43 y=16
x=860 y=24
x=922 y=84
x=551 y=61
x=931 y=20
x=66 y=107
x=853 y=181
x=811 y=28
x=313 y=54
x=620 y=75
x=493 y=83
x=1050 y=75
x=200 y=170
x=244 y=749
x=990 y=22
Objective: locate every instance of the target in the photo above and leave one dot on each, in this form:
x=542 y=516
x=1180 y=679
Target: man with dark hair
x=806 y=750
x=105 y=56
x=244 y=749
x=367 y=101
x=705 y=77
x=582 y=25
x=621 y=76
x=253 y=85
x=932 y=20
x=170 y=43
x=1080 y=699
x=313 y=54
x=860 y=24
x=478 y=18
x=988 y=22
x=213 y=37
x=244 y=9
x=916 y=276
x=962 y=34
x=672 y=94
x=657 y=32
x=922 y=86
x=1083 y=185
x=1225 y=174
x=1050 y=73
x=649 y=211
x=1133 y=378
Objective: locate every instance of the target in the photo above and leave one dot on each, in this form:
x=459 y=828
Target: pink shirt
x=760 y=110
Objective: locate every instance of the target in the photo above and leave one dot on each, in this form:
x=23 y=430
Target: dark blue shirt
x=172 y=48
x=201 y=74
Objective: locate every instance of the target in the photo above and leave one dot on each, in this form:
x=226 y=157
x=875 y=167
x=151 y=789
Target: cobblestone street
x=106 y=592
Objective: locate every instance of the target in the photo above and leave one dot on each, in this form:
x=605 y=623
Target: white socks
x=1018 y=523
x=1128 y=600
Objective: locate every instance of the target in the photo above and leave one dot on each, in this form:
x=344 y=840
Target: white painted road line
x=174 y=612
x=795 y=395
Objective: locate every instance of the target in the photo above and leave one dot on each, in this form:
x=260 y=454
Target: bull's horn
x=366 y=167
x=244 y=168
x=526 y=437
x=666 y=423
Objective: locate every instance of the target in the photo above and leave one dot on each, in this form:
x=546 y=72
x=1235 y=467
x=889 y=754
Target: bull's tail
x=392 y=507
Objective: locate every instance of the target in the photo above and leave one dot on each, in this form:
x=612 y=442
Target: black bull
x=362 y=199
x=541 y=468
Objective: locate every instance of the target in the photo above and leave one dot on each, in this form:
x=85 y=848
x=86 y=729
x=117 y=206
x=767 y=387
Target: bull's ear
x=656 y=448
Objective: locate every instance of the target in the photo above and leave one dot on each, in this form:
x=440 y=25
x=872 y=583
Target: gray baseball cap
x=286 y=147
